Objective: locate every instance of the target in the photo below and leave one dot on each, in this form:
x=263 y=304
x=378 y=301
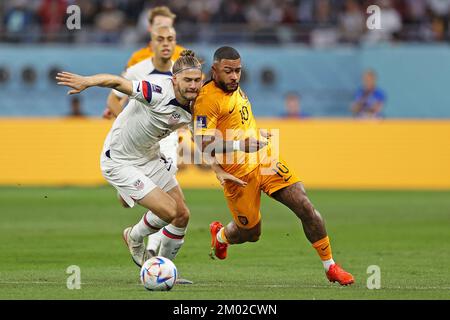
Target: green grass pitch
x=405 y=233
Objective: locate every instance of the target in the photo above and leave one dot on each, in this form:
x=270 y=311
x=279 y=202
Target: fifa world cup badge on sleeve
x=156 y=88
x=201 y=122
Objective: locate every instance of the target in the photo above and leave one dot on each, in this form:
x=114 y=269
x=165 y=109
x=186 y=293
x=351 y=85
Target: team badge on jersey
x=201 y=122
x=174 y=118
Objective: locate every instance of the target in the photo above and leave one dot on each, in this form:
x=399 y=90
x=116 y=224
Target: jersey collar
x=175 y=102
x=167 y=73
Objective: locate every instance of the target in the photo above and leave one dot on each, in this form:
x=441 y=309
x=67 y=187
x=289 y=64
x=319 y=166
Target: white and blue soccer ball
x=158 y=274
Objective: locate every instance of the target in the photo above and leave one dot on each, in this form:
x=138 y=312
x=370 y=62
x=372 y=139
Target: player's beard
x=184 y=92
x=224 y=86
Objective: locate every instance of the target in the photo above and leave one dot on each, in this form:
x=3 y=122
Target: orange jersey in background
x=147 y=52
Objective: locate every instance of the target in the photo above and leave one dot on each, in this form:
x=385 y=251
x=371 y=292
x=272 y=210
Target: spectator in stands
x=437 y=26
x=324 y=33
x=52 y=15
x=109 y=23
x=260 y=21
x=369 y=99
x=293 y=107
x=18 y=22
x=351 y=22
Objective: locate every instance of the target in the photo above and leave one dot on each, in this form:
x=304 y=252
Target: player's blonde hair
x=187 y=60
x=160 y=11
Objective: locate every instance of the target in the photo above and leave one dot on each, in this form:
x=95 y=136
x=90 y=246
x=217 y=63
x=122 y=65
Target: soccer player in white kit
x=131 y=161
x=163 y=43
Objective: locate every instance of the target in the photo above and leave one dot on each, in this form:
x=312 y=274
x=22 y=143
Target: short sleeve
x=147 y=92
x=206 y=114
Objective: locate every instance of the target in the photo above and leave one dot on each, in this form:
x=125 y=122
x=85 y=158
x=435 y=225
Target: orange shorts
x=244 y=202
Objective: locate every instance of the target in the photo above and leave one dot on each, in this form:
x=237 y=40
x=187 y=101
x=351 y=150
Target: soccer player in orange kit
x=221 y=108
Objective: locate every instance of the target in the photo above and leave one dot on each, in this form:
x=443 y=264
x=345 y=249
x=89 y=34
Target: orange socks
x=323 y=248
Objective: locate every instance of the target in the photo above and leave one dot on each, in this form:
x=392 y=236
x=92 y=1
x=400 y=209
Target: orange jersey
x=228 y=114
x=147 y=52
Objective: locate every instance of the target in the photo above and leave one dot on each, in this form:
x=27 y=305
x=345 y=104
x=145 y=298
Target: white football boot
x=137 y=249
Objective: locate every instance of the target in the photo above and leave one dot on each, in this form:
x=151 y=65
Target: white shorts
x=134 y=182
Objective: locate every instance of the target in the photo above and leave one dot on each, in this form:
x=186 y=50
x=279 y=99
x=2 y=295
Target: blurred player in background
x=131 y=161
x=221 y=106
x=158 y=16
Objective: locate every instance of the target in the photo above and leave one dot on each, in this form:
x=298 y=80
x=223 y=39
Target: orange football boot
x=336 y=273
x=217 y=249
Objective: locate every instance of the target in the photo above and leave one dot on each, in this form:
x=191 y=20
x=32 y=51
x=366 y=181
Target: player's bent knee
x=183 y=215
x=169 y=209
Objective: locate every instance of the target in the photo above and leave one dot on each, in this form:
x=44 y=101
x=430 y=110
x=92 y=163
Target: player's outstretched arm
x=79 y=83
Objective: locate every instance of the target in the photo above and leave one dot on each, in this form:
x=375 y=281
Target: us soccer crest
x=138 y=184
x=174 y=118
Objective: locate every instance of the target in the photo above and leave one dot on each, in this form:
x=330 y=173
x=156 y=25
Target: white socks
x=150 y=223
x=172 y=239
x=153 y=242
x=327 y=264
x=166 y=236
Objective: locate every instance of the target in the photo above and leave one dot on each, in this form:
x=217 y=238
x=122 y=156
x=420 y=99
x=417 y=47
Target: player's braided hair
x=187 y=60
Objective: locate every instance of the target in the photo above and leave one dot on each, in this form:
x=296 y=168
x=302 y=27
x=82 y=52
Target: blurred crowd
x=316 y=22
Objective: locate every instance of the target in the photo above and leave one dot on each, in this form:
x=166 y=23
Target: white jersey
x=145 y=70
x=151 y=115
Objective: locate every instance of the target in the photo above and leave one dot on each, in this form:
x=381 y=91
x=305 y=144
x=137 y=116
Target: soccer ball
x=158 y=274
